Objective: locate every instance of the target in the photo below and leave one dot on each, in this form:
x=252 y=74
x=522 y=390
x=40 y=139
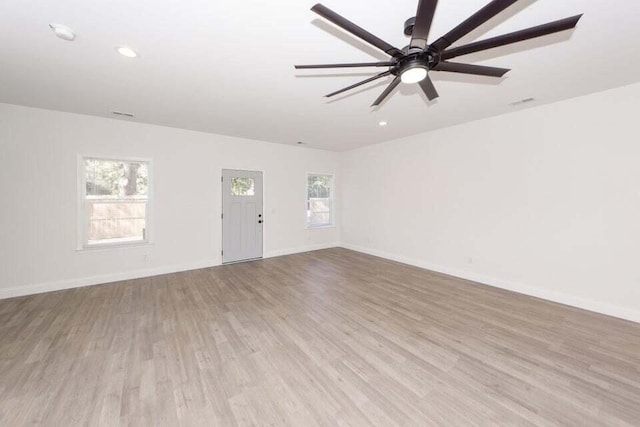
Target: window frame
x=81 y=220
x=332 y=215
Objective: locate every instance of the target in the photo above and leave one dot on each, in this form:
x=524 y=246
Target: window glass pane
x=114 y=179
x=319 y=200
x=116 y=222
x=319 y=186
x=242 y=186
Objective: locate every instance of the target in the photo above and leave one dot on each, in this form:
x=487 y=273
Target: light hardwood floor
x=330 y=337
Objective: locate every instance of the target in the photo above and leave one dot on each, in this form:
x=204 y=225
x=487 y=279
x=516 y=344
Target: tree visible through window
x=115 y=201
x=319 y=200
x=241 y=186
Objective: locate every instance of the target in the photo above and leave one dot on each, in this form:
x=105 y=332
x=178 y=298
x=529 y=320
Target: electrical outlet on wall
x=469 y=260
x=146 y=257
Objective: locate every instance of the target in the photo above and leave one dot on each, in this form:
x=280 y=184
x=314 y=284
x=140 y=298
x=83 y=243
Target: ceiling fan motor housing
x=415 y=58
x=408 y=26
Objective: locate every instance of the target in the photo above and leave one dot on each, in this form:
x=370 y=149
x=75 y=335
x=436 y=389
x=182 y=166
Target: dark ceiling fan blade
x=517 y=36
x=424 y=18
x=370 y=79
x=429 y=89
x=480 y=70
x=361 y=64
x=395 y=82
x=471 y=23
x=357 y=31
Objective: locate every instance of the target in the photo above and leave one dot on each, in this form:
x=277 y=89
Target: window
x=319 y=200
x=242 y=186
x=115 y=201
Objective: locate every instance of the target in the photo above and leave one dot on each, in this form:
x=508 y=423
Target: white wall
x=544 y=201
x=38 y=219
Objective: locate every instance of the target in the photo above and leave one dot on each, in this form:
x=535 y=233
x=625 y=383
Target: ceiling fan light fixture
x=414 y=74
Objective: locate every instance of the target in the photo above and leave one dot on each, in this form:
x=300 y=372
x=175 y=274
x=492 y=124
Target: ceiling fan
x=413 y=63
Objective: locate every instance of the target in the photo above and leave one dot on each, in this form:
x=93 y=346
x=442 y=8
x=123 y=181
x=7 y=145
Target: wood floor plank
x=324 y=338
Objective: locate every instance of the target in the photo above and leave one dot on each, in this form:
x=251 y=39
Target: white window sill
x=320 y=227
x=104 y=246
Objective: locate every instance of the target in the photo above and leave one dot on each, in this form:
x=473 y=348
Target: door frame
x=264 y=203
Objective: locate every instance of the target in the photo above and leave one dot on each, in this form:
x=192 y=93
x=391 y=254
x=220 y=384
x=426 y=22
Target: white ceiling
x=227 y=66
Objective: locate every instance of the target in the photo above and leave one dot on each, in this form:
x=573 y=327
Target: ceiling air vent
x=121 y=114
x=522 y=101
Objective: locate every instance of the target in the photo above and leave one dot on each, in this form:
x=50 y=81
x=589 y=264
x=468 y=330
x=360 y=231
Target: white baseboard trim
x=59 y=285
x=300 y=249
x=559 y=297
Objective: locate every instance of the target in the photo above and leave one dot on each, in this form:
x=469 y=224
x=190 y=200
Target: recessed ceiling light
x=126 y=51
x=382 y=123
x=64 y=32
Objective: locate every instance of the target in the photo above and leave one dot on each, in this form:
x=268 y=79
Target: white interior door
x=242 y=218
